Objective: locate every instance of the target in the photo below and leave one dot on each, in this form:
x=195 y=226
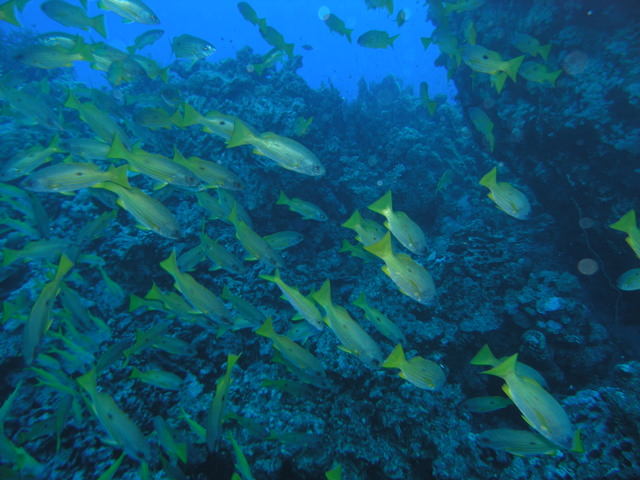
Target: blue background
x=332 y=58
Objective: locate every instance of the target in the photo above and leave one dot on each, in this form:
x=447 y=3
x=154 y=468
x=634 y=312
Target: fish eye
x=485 y=57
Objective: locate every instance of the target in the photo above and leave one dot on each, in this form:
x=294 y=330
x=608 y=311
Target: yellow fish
x=410 y=277
x=354 y=339
x=45 y=56
x=530 y=45
x=39 y=322
x=191 y=48
x=483 y=60
x=71 y=176
x=483 y=124
x=220 y=256
x=200 y=297
x=486 y=357
x=212 y=174
x=156 y=166
x=130 y=10
x=405 y=230
x=213 y=122
x=295 y=355
x=539 y=73
x=105 y=127
x=538 y=407
x=382 y=323
x=167 y=439
x=215 y=414
x=376 y=39
x=303 y=305
x=419 y=371
x=26 y=161
x=308 y=210
x=368 y=231
x=151 y=213
x=158 y=378
x=517 y=442
x=507 y=198
x=254 y=243
x=73 y=16
x=116 y=422
x=284 y=151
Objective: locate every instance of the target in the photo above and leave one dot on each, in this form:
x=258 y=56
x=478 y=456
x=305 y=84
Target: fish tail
x=346 y=247
x=396 y=358
x=544 y=51
x=164 y=74
x=283 y=199
x=190 y=117
x=231 y=361
x=553 y=76
x=275 y=278
x=426 y=41
x=176 y=119
x=361 y=301
x=233 y=216
x=288 y=48
x=512 y=67
x=348 y=33
x=178 y=157
x=89 y=381
x=170 y=264
x=353 y=221
x=241 y=135
x=135 y=302
x=119 y=175
x=382 y=248
x=9 y=14
x=54 y=145
x=9 y=256
x=226 y=293
x=484 y=357
x=389 y=5
x=64 y=265
x=384 y=205
x=393 y=39
x=323 y=296
x=489 y=180
x=504 y=369
x=626 y=224
x=498 y=80
x=98 y=25
x=118 y=150
x=72 y=101
x=576 y=444
x=266 y=330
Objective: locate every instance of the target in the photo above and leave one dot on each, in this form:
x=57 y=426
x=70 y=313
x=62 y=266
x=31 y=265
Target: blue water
x=332 y=60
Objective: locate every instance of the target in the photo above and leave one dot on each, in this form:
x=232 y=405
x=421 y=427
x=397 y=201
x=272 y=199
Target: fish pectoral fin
x=347 y=350
x=507 y=391
x=527 y=420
